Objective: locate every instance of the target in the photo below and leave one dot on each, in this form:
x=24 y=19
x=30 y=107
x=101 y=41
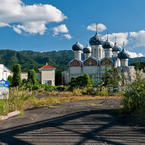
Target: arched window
x=75 y=63
x=90 y=62
x=106 y=62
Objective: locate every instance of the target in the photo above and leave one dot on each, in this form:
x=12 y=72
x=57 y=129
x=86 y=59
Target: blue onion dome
x=116 y=48
x=108 y=44
x=77 y=46
x=87 y=49
x=123 y=55
x=96 y=40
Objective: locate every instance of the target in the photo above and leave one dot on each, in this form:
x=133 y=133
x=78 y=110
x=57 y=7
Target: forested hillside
x=32 y=59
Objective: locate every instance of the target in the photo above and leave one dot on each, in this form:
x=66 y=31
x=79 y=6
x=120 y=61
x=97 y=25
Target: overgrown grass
x=51 y=101
x=134 y=97
x=16 y=101
x=20 y=99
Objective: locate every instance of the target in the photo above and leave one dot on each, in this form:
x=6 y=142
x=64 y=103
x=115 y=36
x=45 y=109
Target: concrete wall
x=65 y=77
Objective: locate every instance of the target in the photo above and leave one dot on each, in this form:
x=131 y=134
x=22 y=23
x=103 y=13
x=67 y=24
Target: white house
x=47 y=74
x=4 y=72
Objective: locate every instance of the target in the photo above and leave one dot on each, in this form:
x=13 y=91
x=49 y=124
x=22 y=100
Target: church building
x=100 y=56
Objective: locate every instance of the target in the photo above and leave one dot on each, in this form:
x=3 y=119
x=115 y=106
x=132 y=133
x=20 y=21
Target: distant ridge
x=134 y=60
x=31 y=59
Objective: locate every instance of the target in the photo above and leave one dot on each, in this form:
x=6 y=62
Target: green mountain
x=31 y=59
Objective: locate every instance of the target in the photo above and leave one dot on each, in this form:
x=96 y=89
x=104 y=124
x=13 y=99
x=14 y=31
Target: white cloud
x=121 y=37
x=134 y=54
x=4 y=24
x=29 y=18
x=68 y=36
x=137 y=39
x=17 y=29
x=60 y=29
x=100 y=27
x=32 y=27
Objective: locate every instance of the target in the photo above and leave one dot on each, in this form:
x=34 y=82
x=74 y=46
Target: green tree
x=32 y=77
x=16 y=81
x=10 y=78
x=111 y=78
x=81 y=81
x=87 y=81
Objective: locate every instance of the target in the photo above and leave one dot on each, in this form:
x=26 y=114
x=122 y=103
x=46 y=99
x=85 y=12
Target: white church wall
x=75 y=70
x=108 y=53
x=97 y=51
x=78 y=55
x=90 y=69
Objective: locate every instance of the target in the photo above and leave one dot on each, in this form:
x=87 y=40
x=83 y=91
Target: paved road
x=79 y=123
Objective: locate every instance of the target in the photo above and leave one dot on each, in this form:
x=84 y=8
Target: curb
x=11 y=114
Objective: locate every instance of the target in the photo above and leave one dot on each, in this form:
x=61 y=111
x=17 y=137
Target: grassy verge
x=16 y=101
x=20 y=99
x=51 y=101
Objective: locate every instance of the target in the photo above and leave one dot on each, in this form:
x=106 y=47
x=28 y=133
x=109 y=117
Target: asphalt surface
x=75 y=123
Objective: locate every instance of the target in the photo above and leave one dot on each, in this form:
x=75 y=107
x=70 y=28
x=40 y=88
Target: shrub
x=36 y=87
x=102 y=93
x=24 y=81
x=16 y=81
x=89 y=91
x=134 y=97
x=29 y=86
x=60 y=88
x=49 y=88
x=32 y=76
x=77 y=92
x=82 y=81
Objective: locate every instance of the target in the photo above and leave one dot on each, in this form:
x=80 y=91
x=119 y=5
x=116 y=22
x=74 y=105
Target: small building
x=24 y=75
x=4 y=72
x=47 y=74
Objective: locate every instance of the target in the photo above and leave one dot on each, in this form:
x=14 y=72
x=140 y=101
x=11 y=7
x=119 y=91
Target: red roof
x=47 y=67
x=5 y=71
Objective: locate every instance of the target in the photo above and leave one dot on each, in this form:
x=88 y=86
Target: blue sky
x=60 y=30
